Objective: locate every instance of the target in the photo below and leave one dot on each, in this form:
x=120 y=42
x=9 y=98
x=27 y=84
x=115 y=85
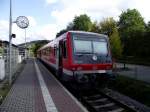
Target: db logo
x=94 y=57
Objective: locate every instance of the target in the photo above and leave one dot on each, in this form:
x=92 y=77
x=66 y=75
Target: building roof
x=6 y=42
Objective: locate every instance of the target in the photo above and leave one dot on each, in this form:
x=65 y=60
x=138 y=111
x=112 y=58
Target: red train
x=79 y=56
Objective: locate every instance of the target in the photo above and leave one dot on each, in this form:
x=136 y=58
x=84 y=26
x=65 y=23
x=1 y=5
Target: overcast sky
x=47 y=17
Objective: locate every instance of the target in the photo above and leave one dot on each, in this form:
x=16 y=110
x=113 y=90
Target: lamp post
x=25 y=44
x=10 y=33
x=10 y=38
x=21 y=22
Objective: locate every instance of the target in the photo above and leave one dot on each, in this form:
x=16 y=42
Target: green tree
x=1 y=50
x=148 y=27
x=95 y=27
x=131 y=20
x=115 y=43
x=131 y=23
x=82 y=22
x=70 y=26
x=61 y=32
x=109 y=26
x=37 y=45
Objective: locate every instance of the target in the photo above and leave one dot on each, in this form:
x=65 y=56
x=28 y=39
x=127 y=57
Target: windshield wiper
x=82 y=53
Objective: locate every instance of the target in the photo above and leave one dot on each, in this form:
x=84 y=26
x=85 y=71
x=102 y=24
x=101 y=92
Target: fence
x=4 y=62
x=2 y=68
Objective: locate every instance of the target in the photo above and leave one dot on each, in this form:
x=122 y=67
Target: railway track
x=97 y=101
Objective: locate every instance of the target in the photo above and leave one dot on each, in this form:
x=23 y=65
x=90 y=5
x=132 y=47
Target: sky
x=47 y=17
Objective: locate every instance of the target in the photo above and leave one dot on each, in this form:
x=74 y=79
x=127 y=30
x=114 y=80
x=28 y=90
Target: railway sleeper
x=117 y=110
x=105 y=105
x=98 y=100
x=94 y=97
x=107 y=108
x=97 y=103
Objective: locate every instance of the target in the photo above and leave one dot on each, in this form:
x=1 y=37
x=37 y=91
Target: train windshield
x=100 y=47
x=83 y=46
x=90 y=46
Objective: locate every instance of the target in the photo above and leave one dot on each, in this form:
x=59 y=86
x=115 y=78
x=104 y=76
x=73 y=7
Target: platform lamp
x=10 y=37
x=13 y=35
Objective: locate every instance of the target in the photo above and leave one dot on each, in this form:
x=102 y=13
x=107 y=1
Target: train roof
x=84 y=32
x=45 y=46
x=75 y=32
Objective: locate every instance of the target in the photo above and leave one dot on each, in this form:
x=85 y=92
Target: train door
x=59 y=59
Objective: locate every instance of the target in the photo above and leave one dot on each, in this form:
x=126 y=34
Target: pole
x=25 y=45
x=10 y=32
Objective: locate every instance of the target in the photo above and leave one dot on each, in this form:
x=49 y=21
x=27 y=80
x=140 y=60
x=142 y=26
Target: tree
x=131 y=20
x=61 y=32
x=148 y=27
x=82 y=22
x=131 y=23
x=109 y=26
x=1 y=51
x=70 y=26
x=115 y=43
x=95 y=27
x=37 y=45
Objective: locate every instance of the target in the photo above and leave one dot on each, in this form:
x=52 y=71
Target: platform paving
x=26 y=94
x=63 y=101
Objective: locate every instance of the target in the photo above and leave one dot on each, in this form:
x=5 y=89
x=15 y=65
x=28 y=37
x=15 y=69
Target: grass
x=135 y=89
x=3 y=91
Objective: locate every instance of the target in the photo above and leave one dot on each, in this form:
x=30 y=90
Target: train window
x=47 y=51
x=55 y=50
x=44 y=51
x=100 y=47
x=64 y=49
x=83 y=46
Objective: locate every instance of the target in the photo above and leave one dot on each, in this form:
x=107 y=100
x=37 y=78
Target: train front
x=91 y=57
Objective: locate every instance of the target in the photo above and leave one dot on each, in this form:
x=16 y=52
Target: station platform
x=37 y=90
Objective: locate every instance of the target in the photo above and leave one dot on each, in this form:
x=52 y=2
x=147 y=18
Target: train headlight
x=79 y=68
x=108 y=67
x=73 y=69
x=94 y=57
